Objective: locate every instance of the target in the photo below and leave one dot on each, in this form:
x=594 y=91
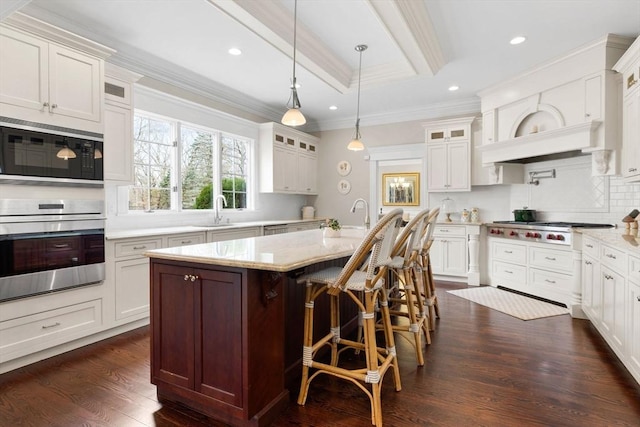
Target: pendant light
x=356 y=144
x=65 y=152
x=294 y=117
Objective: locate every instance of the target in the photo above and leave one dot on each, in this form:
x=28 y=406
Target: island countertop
x=279 y=252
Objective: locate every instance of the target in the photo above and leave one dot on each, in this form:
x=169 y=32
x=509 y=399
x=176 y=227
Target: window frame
x=176 y=165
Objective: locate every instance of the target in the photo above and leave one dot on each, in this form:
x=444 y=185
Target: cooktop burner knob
x=528 y=234
x=560 y=237
x=513 y=233
x=551 y=237
x=536 y=235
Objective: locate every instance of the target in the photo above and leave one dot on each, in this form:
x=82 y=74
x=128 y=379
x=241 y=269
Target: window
x=180 y=166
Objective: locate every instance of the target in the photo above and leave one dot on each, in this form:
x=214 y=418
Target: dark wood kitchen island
x=227 y=321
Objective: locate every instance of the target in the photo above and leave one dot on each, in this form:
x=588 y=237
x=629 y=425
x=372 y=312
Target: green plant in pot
x=332 y=228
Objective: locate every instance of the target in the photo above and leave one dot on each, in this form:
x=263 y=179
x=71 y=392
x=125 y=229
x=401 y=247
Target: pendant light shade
x=294 y=117
x=356 y=143
x=66 y=153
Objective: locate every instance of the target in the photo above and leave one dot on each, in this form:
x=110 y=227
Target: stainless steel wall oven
x=34 y=153
x=50 y=245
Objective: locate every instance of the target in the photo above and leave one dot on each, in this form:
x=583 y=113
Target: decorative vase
x=330 y=232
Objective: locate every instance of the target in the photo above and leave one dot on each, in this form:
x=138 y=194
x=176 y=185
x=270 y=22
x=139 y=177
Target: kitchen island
x=227 y=321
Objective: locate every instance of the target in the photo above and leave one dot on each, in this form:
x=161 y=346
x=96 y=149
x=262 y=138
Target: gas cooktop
x=556 y=224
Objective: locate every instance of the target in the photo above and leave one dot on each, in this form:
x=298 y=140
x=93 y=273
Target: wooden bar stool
x=364 y=288
x=424 y=273
x=405 y=298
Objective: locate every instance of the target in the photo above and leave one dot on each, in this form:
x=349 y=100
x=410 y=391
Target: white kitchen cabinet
x=118 y=125
x=629 y=66
x=449 y=155
x=303 y=226
x=49 y=83
x=613 y=306
x=288 y=160
x=591 y=285
x=231 y=234
x=489 y=127
x=633 y=316
x=448 y=252
x=131 y=276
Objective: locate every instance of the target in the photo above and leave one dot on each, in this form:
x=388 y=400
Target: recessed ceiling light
x=453 y=88
x=235 y=51
x=333 y=107
x=518 y=40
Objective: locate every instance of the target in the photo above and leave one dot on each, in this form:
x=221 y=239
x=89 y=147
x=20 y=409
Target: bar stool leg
x=307 y=343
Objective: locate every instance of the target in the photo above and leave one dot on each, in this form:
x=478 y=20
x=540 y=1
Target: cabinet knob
x=45 y=104
x=194 y=278
x=186 y=277
x=54 y=105
x=587 y=115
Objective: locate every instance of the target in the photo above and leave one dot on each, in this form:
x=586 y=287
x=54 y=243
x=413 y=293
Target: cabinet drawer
x=552 y=259
x=509 y=273
x=33 y=333
x=591 y=247
x=634 y=268
x=136 y=247
x=186 y=239
x=509 y=252
x=444 y=231
x=614 y=258
x=552 y=281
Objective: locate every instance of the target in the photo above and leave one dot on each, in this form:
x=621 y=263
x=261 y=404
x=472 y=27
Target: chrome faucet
x=217 y=218
x=367 y=221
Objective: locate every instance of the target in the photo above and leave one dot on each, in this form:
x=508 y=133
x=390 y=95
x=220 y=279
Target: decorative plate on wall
x=344 y=168
x=344 y=186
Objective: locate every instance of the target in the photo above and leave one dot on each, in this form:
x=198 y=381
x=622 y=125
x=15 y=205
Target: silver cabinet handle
x=507 y=271
x=589 y=246
x=184 y=242
x=638 y=298
x=61 y=245
x=54 y=105
x=51 y=326
x=508 y=252
x=606 y=276
x=549 y=258
x=190 y=277
x=186 y=277
x=45 y=104
x=611 y=256
x=549 y=281
x=137 y=248
x=588 y=262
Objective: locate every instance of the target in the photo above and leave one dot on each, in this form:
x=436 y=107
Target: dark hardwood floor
x=484 y=368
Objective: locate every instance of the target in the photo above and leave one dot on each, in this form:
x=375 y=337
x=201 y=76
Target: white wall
x=495 y=202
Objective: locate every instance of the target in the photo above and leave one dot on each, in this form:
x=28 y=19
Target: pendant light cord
x=295 y=23
x=360 y=48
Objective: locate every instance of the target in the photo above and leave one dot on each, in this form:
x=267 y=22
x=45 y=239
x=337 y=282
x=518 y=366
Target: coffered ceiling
x=417 y=48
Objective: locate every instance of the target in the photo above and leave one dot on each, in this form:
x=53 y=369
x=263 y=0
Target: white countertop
x=279 y=252
x=620 y=238
x=161 y=231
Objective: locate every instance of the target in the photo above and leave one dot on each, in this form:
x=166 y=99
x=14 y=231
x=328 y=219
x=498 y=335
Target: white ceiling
x=417 y=48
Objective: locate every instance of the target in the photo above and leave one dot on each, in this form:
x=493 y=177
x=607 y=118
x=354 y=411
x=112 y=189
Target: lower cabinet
x=448 y=252
x=217 y=339
x=611 y=296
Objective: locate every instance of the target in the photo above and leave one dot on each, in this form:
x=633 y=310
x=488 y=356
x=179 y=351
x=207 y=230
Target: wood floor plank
x=483 y=368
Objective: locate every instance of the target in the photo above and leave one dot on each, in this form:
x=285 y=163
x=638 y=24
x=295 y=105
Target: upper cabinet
x=629 y=67
x=118 y=124
x=568 y=105
x=288 y=160
x=47 y=82
x=448 y=155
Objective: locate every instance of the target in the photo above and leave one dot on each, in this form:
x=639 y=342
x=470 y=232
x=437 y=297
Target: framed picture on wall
x=401 y=189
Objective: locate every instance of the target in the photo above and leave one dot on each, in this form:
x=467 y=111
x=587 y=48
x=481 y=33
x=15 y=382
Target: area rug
x=510 y=303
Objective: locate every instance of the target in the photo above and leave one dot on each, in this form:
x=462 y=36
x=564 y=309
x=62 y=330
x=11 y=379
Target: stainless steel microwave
x=39 y=154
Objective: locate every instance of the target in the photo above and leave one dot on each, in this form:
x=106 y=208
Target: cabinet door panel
x=613 y=306
x=74 y=84
x=24 y=62
x=173 y=330
x=132 y=288
x=437 y=167
x=456 y=257
x=458 y=163
x=633 y=332
x=220 y=373
x=118 y=144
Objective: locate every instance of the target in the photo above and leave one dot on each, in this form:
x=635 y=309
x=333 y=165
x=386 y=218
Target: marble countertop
x=620 y=238
x=279 y=252
x=161 y=231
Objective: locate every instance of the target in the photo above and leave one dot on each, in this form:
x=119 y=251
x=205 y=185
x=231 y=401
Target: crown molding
x=50 y=32
x=7 y=7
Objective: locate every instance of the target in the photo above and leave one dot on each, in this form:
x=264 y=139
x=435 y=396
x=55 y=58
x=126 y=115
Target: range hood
x=567 y=141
